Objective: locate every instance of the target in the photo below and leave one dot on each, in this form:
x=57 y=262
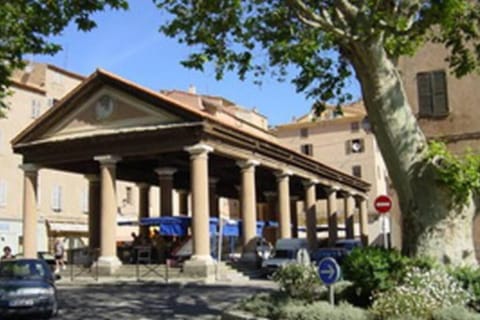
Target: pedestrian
x=59 y=252
x=7 y=253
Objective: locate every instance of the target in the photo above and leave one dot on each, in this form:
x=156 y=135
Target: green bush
x=420 y=295
x=454 y=313
x=321 y=311
x=298 y=281
x=470 y=280
x=373 y=269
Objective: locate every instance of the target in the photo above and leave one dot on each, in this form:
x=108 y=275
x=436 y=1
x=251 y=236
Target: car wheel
x=53 y=312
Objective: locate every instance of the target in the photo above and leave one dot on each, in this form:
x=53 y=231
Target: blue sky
x=129 y=44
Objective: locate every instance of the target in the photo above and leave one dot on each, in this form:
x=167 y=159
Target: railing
x=143 y=260
x=83 y=262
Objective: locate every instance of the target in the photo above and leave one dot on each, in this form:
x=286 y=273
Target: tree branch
x=309 y=17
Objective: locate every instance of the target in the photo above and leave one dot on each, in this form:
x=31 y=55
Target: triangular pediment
x=109 y=109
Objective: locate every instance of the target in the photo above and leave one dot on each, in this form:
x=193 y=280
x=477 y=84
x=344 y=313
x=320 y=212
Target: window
x=36 y=109
x=84 y=200
x=3 y=193
x=357 y=171
x=355 y=146
x=355 y=126
x=306 y=149
x=128 y=195
x=432 y=94
x=304 y=132
x=57 y=198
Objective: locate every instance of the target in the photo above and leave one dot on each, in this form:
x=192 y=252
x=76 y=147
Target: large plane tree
x=327 y=42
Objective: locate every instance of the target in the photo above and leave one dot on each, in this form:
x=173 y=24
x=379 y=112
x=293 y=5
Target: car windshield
x=22 y=269
x=284 y=254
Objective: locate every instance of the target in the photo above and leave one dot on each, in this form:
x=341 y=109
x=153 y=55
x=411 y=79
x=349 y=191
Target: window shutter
x=424 y=88
x=84 y=200
x=348 y=146
x=57 y=198
x=3 y=193
x=440 y=101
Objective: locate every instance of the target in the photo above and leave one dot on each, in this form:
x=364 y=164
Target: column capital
x=246 y=164
x=360 y=196
x=283 y=174
x=199 y=149
x=269 y=194
x=165 y=171
x=213 y=180
x=92 y=177
x=29 y=168
x=331 y=189
x=142 y=185
x=107 y=159
x=309 y=182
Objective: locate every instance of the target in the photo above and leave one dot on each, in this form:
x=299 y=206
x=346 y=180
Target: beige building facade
x=344 y=141
x=62 y=199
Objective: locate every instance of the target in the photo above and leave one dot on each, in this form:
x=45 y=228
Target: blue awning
x=231 y=228
x=169 y=226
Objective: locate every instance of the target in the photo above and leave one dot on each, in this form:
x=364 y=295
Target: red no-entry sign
x=383 y=204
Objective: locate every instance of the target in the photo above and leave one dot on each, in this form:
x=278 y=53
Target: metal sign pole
x=384 y=229
x=331 y=294
x=219 y=247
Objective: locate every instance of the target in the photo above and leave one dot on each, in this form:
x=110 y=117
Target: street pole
x=219 y=246
x=384 y=228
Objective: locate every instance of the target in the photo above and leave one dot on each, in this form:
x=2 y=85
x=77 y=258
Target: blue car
x=27 y=288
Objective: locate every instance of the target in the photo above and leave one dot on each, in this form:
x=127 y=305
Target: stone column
x=332 y=213
x=271 y=199
x=283 y=185
x=213 y=198
x=201 y=263
x=311 y=213
x=294 y=215
x=349 y=207
x=165 y=182
x=363 y=211
x=30 y=176
x=93 y=211
x=108 y=261
x=143 y=206
x=183 y=202
x=248 y=207
x=271 y=233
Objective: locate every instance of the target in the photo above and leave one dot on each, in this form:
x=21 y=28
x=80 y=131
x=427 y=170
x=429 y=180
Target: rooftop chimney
x=192 y=89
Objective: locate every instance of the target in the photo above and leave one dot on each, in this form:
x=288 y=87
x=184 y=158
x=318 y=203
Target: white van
x=286 y=251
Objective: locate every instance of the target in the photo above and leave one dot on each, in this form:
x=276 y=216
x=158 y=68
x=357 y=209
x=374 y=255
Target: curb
x=239 y=315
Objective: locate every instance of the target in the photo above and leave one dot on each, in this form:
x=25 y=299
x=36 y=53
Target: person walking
x=59 y=253
x=7 y=253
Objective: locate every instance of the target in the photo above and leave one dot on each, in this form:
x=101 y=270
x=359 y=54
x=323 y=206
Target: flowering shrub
x=421 y=293
x=298 y=281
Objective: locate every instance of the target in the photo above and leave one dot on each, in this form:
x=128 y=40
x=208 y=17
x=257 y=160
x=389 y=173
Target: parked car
x=286 y=251
x=44 y=255
x=341 y=249
x=27 y=288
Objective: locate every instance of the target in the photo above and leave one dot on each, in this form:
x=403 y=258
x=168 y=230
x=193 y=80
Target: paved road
x=145 y=301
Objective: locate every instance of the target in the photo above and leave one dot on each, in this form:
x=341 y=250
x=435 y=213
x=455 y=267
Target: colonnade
x=103 y=207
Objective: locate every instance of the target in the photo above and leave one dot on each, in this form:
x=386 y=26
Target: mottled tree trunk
x=431 y=226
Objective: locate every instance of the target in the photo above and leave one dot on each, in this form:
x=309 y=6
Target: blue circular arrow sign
x=329 y=271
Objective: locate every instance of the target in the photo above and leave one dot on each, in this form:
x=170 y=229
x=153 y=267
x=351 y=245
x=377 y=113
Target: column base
x=107 y=265
x=200 y=267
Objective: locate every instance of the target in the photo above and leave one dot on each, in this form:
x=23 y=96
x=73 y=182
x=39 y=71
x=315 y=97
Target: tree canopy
x=27 y=25
x=255 y=36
